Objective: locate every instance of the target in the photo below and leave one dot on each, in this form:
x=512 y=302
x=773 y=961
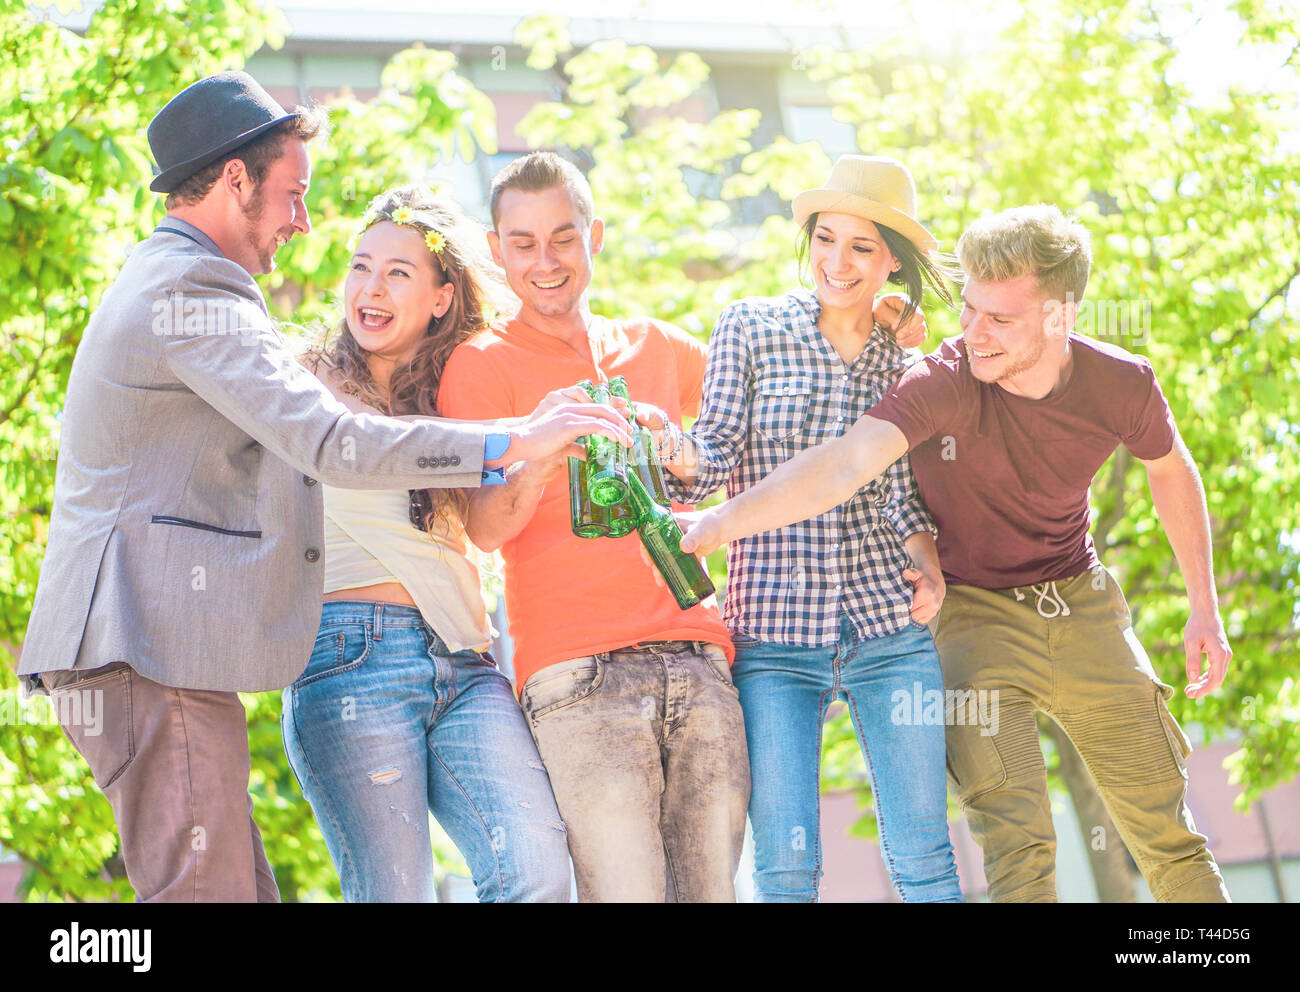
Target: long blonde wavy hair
x=480 y=296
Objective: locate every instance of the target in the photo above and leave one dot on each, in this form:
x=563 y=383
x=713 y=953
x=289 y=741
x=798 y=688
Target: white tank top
x=369 y=539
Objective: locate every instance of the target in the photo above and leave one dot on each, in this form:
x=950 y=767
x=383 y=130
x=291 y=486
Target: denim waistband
x=668 y=647
x=376 y=616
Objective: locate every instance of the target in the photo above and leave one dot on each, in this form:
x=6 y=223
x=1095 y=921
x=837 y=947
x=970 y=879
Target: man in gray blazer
x=183 y=563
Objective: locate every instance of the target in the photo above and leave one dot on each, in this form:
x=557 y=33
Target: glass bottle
x=644 y=459
x=585 y=516
x=684 y=574
x=606 y=459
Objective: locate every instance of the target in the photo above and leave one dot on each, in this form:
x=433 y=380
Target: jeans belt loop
x=379 y=622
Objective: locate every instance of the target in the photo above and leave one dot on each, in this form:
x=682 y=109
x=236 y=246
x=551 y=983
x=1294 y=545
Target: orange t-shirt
x=567 y=596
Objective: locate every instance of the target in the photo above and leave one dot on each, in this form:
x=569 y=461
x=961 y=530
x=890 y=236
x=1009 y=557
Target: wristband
x=494 y=446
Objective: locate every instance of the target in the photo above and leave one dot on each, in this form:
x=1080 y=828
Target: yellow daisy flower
x=403 y=215
x=435 y=242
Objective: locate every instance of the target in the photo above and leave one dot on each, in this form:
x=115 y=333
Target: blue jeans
x=785 y=691
x=386 y=726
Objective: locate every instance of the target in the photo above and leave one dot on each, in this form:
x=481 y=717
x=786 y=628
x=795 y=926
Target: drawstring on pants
x=1049 y=594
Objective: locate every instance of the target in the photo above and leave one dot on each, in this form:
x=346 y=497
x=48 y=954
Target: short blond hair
x=1037 y=240
x=541 y=171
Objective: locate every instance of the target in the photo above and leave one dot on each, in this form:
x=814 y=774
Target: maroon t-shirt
x=1006 y=478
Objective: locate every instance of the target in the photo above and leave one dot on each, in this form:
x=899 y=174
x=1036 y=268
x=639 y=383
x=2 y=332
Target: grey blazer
x=187 y=522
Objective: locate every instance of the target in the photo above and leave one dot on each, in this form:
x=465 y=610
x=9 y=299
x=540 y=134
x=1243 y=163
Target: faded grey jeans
x=645 y=748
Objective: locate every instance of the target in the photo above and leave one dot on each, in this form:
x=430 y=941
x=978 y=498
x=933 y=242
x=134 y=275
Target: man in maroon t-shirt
x=1007 y=425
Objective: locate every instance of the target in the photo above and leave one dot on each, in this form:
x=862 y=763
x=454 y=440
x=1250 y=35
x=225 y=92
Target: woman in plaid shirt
x=833 y=607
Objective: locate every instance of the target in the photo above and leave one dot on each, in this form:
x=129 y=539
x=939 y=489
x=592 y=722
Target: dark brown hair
x=916 y=270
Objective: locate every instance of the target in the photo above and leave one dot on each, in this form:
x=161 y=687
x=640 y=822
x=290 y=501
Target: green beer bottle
x=606 y=459
x=685 y=576
x=587 y=519
x=584 y=514
x=621 y=519
x=590 y=520
x=644 y=459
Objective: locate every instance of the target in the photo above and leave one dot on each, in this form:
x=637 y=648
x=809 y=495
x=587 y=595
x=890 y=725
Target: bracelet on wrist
x=673 y=433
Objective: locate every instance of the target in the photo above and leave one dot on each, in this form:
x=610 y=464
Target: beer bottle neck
x=642 y=502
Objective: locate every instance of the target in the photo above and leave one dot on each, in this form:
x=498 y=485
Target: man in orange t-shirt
x=629 y=698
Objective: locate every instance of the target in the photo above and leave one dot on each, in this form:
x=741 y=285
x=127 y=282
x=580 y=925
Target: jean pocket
x=339 y=648
x=562 y=685
x=102 y=731
x=716 y=661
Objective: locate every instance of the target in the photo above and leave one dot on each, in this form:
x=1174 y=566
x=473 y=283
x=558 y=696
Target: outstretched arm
x=496 y=514
x=809 y=484
x=1180 y=502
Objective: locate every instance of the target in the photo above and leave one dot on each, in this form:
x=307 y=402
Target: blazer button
x=308 y=481
x=455 y=459
x=444 y=461
x=422 y=462
x=312 y=554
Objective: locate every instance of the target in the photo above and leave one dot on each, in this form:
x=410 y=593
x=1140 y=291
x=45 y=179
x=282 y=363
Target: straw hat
x=876 y=188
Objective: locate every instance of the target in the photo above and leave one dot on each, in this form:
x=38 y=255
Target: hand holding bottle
x=702 y=531
x=554 y=427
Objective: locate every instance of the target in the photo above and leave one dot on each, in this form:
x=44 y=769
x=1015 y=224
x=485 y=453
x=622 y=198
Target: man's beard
x=253 y=215
x=1028 y=359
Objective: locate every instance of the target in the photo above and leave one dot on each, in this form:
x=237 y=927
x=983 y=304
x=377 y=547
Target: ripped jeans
x=385 y=726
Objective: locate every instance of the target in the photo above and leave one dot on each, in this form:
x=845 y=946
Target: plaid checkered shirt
x=773 y=387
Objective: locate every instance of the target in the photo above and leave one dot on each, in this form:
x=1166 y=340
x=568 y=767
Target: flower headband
x=434 y=240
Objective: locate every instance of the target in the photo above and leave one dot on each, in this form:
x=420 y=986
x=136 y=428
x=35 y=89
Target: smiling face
x=545 y=245
x=1014 y=335
x=393 y=291
x=277 y=210
x=849 y=260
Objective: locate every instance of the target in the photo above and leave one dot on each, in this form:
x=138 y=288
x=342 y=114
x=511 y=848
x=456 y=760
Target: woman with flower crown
x=401 y=712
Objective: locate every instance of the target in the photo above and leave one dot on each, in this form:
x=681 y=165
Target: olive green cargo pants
x=1068 y=649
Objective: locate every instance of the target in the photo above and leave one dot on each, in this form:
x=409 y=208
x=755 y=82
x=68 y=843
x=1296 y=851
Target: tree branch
x=1282 y=289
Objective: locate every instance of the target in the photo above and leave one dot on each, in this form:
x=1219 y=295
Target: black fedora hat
x=205 y=121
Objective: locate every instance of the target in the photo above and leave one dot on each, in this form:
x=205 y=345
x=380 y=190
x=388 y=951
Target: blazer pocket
x=159 y=518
